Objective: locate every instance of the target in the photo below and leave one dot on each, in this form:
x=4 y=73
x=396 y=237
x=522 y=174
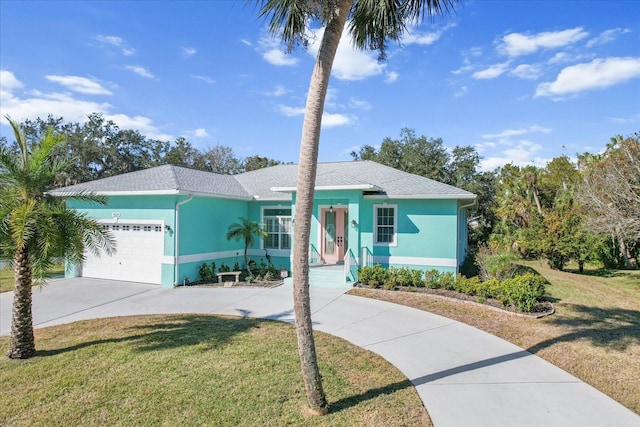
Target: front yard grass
x=196 y=370
x=594 y=334
x=6 y=276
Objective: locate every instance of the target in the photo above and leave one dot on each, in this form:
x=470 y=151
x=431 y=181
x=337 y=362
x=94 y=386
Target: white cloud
x=508 y=146
x=80 y=84
x=246 y=42
x=350 y=63
x=115 y=41
x=140 y=123
x=278 y=91
x=492 y=72
x=332 y=120
x=413 y=36
x=188 y=51
x=359 y=103
x=606 y=36
x=8 y=81
x=392 y=77
x=329 y=120
x=291 y=111
x=517 y=44
x=277 y=57
x=141 y=71
x=597 y=74
x=200 y=133
x=527 y=71
x=461 y=91
x=33 y=104
x=508 y=133
x=630 y=119
x=38 y=104
x=112 y=40
x=205 y=79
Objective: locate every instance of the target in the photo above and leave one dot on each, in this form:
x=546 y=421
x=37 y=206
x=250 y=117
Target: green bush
x=403 y=276
x=207 y=272
x=373 y=276
x=448 y=281
x=432 y=279
x=496 y=265
x=417 y=278
x=224 y=268
x=465 y=285
x=524 y=291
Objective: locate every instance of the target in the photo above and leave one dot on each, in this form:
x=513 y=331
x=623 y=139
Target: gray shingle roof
x=260 y=184
x=166 y=179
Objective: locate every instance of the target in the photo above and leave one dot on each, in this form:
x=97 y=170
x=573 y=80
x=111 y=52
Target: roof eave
x=173 y=192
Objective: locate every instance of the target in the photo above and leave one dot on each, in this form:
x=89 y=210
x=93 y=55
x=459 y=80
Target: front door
x=334 y=234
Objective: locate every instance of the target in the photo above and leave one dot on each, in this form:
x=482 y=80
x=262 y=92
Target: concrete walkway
x=464 y=376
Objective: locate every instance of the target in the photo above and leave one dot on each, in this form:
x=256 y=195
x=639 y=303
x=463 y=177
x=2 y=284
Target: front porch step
x=326 y=276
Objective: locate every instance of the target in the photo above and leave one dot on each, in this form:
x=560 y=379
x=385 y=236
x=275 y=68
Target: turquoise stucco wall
x=427 y=233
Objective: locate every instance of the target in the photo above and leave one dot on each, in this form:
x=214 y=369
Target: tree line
x=582 y=211
x=98 y=148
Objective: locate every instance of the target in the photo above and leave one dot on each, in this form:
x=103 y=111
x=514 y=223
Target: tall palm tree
x=37 y=228
x=246 y=230
x=372 y=24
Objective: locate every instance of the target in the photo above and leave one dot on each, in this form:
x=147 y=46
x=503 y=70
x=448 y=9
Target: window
x=278 y=226
x=385 y=223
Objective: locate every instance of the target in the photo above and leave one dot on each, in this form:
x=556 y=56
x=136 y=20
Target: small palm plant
x=247 y=231
x=36 y=228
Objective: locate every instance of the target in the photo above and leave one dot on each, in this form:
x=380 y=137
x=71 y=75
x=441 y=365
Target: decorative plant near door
x=247 y=231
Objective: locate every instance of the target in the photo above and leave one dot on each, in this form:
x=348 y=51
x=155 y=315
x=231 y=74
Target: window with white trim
x=385 y=220
x=278 y=226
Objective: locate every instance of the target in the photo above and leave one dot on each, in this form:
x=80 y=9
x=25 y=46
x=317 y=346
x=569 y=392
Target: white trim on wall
x=208 y=256
x=406 y=260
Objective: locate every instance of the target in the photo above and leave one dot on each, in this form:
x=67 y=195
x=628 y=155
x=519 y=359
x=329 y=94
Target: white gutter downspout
x=176 y=241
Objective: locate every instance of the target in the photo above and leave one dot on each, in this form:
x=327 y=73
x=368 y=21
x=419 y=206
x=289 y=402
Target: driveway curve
x=464 y=376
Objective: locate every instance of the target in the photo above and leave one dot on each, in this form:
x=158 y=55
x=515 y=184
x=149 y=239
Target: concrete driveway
x=464 y=376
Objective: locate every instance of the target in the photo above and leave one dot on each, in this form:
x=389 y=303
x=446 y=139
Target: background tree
x=611 y=193
x=258 y=162
x=36 y=228
x=371 y=25
x=247 y=231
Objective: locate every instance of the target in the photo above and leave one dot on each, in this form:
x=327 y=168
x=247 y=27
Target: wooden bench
x=235 y=274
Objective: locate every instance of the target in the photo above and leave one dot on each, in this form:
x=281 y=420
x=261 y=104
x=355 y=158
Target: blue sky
x=522 y=81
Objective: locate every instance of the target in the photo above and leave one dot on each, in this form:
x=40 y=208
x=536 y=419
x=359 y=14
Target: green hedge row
x=522 y=291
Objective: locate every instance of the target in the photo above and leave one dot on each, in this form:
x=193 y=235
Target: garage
x=138 y=257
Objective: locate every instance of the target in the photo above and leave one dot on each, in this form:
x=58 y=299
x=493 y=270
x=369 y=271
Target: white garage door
x=140 y=249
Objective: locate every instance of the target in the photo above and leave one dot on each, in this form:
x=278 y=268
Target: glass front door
x=334 y=234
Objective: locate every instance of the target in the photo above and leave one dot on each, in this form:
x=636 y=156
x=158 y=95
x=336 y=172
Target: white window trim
x=375 y=225
x=262 y=209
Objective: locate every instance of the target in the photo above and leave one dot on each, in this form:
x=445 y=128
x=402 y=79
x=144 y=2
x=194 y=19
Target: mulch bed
x=544 y=308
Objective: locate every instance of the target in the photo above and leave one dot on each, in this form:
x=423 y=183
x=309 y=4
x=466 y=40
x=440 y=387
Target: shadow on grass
x=616 y=328
x=174 y=332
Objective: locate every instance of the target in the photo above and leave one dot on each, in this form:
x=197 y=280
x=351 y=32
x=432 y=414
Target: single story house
x=168 y=220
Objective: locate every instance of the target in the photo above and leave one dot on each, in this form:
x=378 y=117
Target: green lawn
x=594 y=334
x=196 y=370
x=6 y=276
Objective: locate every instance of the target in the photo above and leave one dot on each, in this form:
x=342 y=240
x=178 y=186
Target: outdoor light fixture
x=167 y=227
x=354 y=224
x=331 y=207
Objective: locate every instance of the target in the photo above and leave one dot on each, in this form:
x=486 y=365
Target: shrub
x=417 y=278
x=465 y=285
x=403 y=277
x=224 y=268
x=373 y=276
x=524 y=291
x=495 y=265
x=448 y=281
x=236 y=267
x=432 y=279
x=205 y=273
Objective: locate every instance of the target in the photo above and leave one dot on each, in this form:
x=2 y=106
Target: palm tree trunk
x=22 y=343
x=307 y=168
